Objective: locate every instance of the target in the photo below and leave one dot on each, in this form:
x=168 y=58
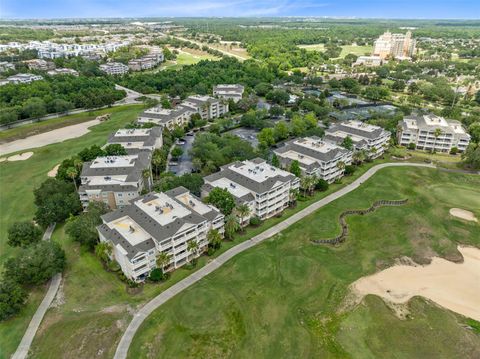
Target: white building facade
x=159 y=223
x=315 y=157
x=114 y=180
x=263 y=187
x=432 y=133
x=369 y=138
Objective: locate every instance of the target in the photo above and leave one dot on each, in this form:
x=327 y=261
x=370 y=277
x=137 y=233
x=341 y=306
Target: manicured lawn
x=347 y=49
x=185 y=58
x=95 y=298
x=356 y=50
x=54 y=123
x=281 y=299
x=17 y=181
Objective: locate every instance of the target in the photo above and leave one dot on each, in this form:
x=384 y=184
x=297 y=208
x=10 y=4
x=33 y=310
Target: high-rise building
x=396 y=46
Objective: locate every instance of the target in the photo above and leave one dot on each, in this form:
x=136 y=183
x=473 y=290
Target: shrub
x=12 y=298
x=157 y=275
x=454 y=151
x=349 y=170
x=255 y=221
x=23 y=234
x=411 y=146
x=322 y=185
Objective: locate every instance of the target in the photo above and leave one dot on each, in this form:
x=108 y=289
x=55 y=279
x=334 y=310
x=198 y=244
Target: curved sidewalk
x=24 y=346
x=147 y=309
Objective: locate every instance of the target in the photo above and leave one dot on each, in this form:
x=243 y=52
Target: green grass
x=356 y=50
x=185 y=58
x=347 y=49
x=17 y=181
x=282 y=298
x=54 y=123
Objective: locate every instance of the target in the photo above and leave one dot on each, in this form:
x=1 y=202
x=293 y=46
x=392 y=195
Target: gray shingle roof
x=157 y=231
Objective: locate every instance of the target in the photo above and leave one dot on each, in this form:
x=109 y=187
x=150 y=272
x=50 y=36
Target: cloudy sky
x=468 y=9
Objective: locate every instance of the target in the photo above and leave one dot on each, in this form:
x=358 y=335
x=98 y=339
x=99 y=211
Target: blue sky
x=468 y=9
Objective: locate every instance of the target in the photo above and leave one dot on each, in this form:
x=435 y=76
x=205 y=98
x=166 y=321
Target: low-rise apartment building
x=368 y=61
x=229 y=92
x=114 y=68
x=62 y=71
x=6 y=66
x=315 y=157
x=146 y=62
x=208 y=107
x=263 y=187
x=158 y=223
x=432 y=133
x=114 y=180
x=138 y=139
x=39 y=64
x=169 y=118
x=370 y=138
x=22 y=79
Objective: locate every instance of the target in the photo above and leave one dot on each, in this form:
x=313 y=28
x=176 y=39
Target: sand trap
x=21 y=157
x=463 y=214
x=3 y=159
x=453 y=286
x=53 y=171
x=47 y=138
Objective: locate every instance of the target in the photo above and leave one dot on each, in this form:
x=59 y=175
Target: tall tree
x=23 y=234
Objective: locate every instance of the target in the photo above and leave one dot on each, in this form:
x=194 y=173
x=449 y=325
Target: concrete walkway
x=24 y=346
x=145 y=311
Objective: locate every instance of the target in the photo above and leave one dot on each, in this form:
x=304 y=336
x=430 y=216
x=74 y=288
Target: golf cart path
x=24 y=346
x=147 y=309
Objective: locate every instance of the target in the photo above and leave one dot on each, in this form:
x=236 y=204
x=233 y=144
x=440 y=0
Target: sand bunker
x=53 y=171
x=47 y=138
x=463 y=214
x=21 y=157
x=453 y=286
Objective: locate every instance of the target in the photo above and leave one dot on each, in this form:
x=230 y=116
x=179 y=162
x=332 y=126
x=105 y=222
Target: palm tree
x=192 y=246
x=372 y=152
x=292 y=196
x=242 y=211
x=157 y=162
x=163 y=259
x=358 y=157
x=214 y=238
x=341 y=165
x=304 y=183
x=312 y=180
x=436 y=134
x=147 y=175
x=231 y=225
x=103 y=250
x=72 y=173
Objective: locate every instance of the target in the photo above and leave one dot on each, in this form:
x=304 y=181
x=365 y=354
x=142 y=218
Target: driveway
x=184 y=164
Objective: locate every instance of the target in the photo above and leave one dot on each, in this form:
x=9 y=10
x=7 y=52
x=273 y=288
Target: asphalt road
x=145 y=311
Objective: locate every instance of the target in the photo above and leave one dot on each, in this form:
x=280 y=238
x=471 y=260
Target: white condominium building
x=22 y=79
x=208 y=107
x=370 y=138
x=315 y=157
x=114 y=68
x=264 y=188
x=432 y=133
x=62 y=71
x=169 y=118
x=229 y=92
x=138 y=139
x=114 y=180
x=398 y=46
x=158 y=223
x=368 y=61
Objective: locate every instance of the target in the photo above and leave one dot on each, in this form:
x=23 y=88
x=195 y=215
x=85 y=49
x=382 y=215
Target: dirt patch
x=21 y=157
x=463 y=214
x=450 y=285
x=53 y=171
